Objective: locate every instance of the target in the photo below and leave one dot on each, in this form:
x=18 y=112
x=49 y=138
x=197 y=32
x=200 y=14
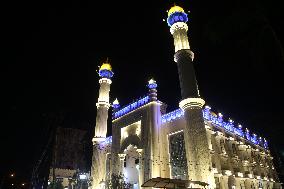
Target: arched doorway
x=131 y=166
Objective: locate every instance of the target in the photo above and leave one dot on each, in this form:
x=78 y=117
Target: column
x=196 y=143
x=141 y=167
x=99 y=163
x=121 y=162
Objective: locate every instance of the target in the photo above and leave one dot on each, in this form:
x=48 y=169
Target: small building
x=68 y=160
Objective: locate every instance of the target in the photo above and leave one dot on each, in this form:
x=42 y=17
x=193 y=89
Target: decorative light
x=105 y=73
x=218 y=121
x=228 y=172
x=152 y=84
x=172 y=115
x=250 y=176
x=115 y=104
x=82 y=176
x=265 y=178
x=239 y=174
x=176 y=132
x=207 y=107
x=107 y=141
x=131 y=107
x=115 y=101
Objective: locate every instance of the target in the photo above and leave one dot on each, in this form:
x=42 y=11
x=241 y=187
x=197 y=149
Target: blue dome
x=177 y=17
x=105 y=73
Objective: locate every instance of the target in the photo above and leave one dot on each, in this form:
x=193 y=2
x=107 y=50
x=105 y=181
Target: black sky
x=52 y=50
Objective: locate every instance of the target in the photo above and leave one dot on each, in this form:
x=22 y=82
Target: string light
x=218 y=121
x=130 y=107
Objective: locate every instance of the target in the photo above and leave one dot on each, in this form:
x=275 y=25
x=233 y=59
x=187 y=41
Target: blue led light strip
x=218 y=120
x=177 y=17
x=107 y=141
x=131 y=107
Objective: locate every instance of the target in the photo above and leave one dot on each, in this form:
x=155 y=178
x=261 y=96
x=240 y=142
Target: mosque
x=191 y=144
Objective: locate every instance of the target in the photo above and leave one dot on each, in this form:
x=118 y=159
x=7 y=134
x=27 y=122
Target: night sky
x=51 y=52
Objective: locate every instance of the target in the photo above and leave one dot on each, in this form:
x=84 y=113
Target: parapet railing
x=130 y=107
x=218 y=120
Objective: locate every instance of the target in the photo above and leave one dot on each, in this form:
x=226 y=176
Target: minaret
x=115 y=105
x=105 y=73
x=197 y=150
x=152 y=86
x=99 y=153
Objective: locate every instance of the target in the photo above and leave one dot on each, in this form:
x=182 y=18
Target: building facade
x=191 y=143
x=68 y=159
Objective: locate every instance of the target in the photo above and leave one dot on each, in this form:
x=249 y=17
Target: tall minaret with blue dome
x=197 y=152
x=99 y=153
x=105 y=73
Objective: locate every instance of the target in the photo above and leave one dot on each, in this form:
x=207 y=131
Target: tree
x=117 y=181
x=55 y=185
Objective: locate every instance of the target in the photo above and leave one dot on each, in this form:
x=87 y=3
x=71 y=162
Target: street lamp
x=4 y=179
x=82 y=176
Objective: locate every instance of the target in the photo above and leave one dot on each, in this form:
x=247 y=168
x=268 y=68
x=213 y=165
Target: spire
x=115 y=104
x=152 y=86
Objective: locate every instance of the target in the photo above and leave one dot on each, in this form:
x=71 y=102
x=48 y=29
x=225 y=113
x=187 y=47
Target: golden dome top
x=106 y=66
x=175 y=8
x=151 y=81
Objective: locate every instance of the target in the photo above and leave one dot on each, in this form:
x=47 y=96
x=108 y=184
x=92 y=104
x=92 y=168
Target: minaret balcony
x=102 y=104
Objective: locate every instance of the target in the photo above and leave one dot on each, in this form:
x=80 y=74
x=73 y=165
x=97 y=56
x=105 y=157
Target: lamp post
x=12 y=175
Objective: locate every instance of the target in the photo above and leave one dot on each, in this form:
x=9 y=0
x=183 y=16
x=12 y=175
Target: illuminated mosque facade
x=191 y=143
